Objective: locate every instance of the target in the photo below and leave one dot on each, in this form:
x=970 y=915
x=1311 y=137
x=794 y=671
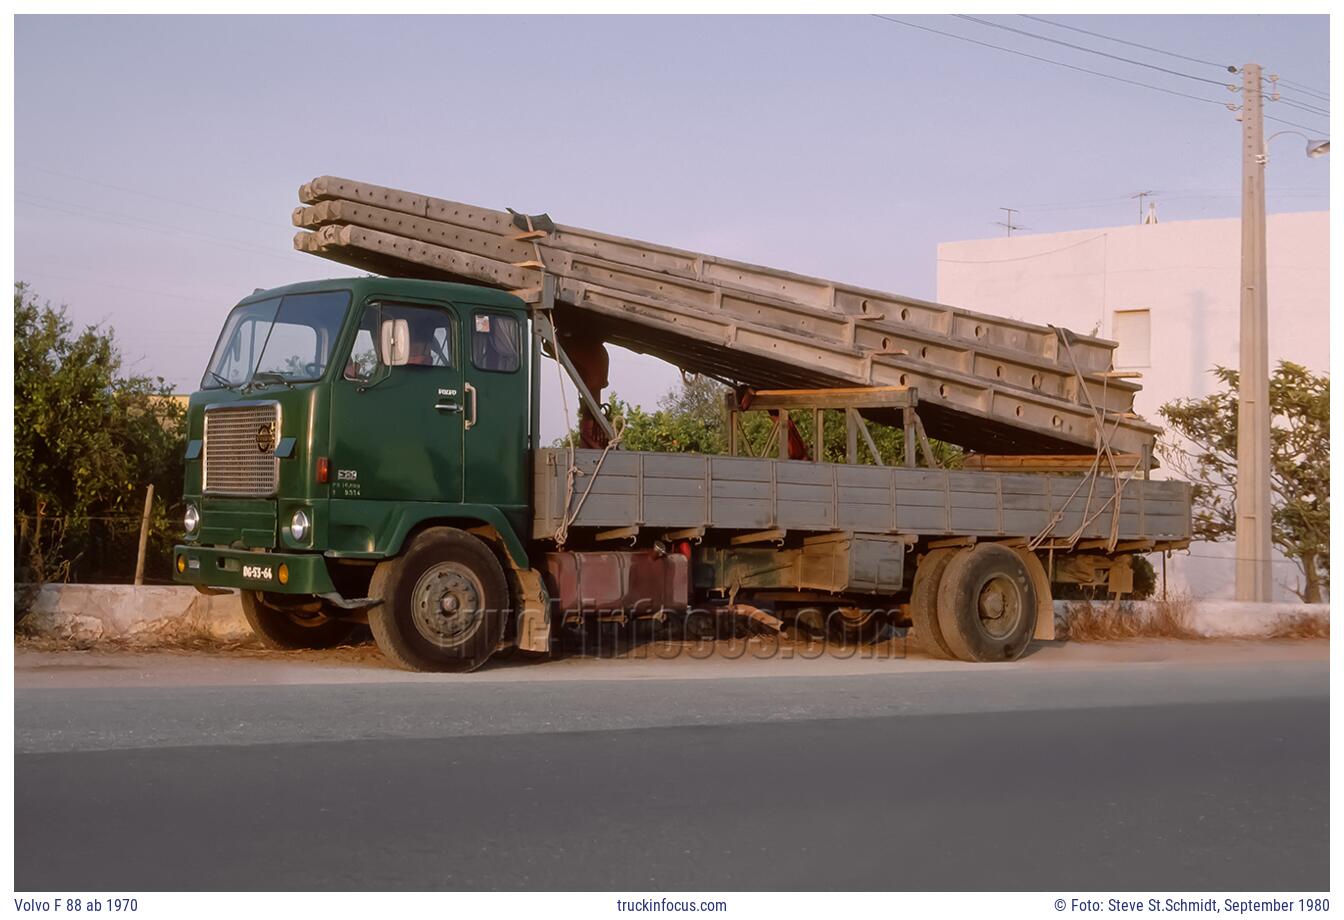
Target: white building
x=1169 y=293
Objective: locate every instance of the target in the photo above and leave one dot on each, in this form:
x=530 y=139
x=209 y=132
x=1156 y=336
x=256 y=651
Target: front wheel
x=287 y=628
x=443 y=603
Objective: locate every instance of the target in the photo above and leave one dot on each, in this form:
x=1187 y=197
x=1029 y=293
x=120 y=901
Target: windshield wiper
x=260 y=378
x=226 y=384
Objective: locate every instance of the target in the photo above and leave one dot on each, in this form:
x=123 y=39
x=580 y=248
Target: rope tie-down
x=569 y=515
x=573 y=473
x=1091 y=477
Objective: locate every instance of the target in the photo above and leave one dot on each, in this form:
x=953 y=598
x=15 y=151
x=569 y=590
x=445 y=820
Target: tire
x=1045 y=599
x=443 y=603
x=924 y=603
x=987 y=604
x=290 y=629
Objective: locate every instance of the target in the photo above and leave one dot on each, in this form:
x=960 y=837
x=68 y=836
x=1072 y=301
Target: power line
x=1185 y=57
x=1034 y=255
x=1305 y=89
x=1284 y=121
x=107 y=284
x=1046 y=60
x=1211 y=197
x=1303 y=106
x=1275 y=91
x=1170 y=194
x=1110 y=38
x=1105 y=54
x=1097 y=73
x=1160 y=197
x=136 y=223
x=143 y=194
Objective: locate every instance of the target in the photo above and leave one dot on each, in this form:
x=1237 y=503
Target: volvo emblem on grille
x=266 y=438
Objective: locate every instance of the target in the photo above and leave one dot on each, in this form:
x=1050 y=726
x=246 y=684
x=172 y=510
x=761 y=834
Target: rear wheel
x=924 y=603
x=443 y=603
x=987 y=604
x=288 y=627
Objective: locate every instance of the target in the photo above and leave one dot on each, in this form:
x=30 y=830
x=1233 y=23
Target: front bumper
x=304 y=573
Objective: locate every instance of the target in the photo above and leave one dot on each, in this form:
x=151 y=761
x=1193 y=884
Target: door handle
x=471 y=418
x=444 y=406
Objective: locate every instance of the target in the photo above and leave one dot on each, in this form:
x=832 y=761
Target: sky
x=157 y=159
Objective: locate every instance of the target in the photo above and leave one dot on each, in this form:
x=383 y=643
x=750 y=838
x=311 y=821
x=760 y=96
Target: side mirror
x=394 y=342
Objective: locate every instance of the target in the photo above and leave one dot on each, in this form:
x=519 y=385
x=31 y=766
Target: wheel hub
x=1000 y=606
x=447 y=604
x=992 y=605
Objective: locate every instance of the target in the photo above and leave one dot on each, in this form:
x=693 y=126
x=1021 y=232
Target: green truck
x=367 y=450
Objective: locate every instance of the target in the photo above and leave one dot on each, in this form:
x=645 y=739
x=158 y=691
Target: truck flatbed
x=677 y=492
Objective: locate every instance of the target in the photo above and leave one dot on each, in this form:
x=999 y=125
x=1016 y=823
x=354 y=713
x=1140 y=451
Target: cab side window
x=496 y=342
x=428 y=333
x=363 y=359
x=431 y=334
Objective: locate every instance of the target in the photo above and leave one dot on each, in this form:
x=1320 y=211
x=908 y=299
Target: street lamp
x=1316 y=147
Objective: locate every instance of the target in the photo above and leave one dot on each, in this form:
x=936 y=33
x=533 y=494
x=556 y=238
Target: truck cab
x=338 y=421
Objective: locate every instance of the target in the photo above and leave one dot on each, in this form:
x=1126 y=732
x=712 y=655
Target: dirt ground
x=44 y=663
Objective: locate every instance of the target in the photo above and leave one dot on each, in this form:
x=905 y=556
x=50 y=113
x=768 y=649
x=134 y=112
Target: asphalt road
x=1071 y=771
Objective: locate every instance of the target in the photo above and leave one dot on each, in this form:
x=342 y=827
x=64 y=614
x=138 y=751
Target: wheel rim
x=999 y=606
x=447 y=604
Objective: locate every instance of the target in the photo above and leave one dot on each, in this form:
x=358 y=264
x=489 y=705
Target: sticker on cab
x=482 y=323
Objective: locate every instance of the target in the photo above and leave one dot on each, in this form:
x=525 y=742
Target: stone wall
x=145 y=613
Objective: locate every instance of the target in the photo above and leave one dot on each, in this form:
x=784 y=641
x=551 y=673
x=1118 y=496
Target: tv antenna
x=1148 y=193
x=1008 y=224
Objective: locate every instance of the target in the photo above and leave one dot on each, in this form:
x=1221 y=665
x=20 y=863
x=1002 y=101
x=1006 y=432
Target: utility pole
x=1254 y=579
x=1009 y=222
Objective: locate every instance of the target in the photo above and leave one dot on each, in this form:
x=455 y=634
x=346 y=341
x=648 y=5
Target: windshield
x=278 y=339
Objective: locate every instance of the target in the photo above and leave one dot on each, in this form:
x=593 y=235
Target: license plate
x=257 y=572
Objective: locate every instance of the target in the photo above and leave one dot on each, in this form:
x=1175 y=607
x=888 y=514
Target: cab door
x=495 y=457
x=397 y=409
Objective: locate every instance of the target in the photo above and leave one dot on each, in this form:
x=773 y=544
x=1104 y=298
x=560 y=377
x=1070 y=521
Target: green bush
x=88 y=439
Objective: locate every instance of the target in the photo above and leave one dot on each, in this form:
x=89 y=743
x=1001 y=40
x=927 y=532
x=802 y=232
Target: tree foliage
x=1206 y=454
x=88 y=439
x=689 y=419
x=693 y=418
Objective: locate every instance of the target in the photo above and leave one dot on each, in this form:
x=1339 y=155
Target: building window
x=1132 y=329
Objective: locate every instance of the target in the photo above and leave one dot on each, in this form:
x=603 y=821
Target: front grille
x=240 y=449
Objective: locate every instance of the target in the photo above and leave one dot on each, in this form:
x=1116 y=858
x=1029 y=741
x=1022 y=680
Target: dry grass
x=143 y=642
x=1301 y=626
x=1087 y=621
x=359 y=652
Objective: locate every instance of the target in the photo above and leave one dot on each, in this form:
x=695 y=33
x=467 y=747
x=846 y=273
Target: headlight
x=191 y=519
x=298 y=525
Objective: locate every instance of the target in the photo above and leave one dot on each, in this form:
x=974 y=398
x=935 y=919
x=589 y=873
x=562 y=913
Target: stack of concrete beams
x=988 y=383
